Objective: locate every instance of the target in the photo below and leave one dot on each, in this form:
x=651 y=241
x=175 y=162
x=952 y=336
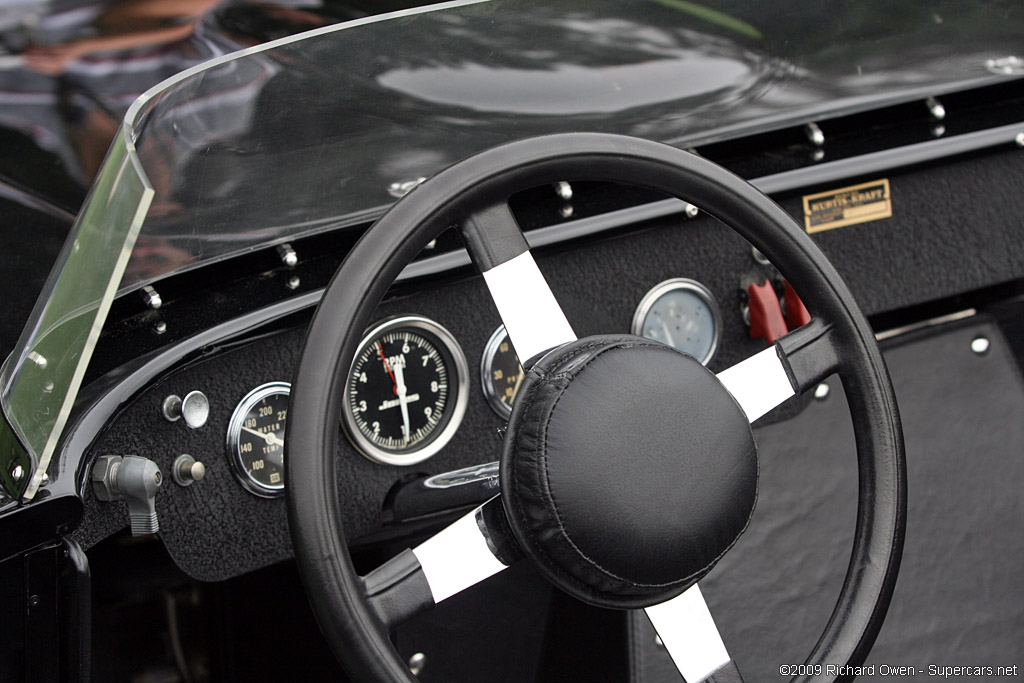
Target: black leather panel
x=628 y=470
x=493 y=237
x=398 y=589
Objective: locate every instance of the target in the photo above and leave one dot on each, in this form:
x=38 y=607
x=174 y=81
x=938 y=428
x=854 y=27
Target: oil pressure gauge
x=256 y=439
x=683 y=314
x=500 y=372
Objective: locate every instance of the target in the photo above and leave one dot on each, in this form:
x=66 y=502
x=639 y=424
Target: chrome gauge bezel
x=685 y=284
x=486 y=359
x=234 y=434
x=459 y=397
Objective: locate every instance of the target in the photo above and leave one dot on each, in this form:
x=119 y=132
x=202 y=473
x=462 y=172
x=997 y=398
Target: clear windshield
x=323 y=129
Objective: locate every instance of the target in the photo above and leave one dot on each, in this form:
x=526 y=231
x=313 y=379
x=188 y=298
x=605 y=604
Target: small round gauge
x=683 y=314
x=406 y=392
x=500 y=372
x=256 y=439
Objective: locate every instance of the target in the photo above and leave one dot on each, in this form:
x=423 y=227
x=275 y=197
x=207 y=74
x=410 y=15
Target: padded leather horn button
x=628 y=470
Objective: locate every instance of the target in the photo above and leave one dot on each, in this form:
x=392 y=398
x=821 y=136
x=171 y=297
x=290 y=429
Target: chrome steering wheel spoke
x=688 y=630
x=531 y=314
x=471 y=549
x=792 y=365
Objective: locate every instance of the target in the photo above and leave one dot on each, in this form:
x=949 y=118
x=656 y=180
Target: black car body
x=234 y=190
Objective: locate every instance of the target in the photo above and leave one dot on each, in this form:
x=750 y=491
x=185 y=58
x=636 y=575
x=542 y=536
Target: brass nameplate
x=847 y=206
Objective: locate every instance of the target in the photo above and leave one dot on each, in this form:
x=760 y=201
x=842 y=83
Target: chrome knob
x=187 y=470
x=194 y=409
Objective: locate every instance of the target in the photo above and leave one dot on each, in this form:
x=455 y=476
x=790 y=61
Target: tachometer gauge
x=406 y=392
x=500 y=372
x=256 y=439
x=683 y=314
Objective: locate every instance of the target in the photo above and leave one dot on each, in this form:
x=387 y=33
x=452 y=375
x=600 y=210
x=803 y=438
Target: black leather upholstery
x=628 y=470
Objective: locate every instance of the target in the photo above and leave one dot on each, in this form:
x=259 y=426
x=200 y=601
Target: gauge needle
x=271 y=438
x=402 y=401
x=668 y=335
x=519 y=383
x=387 y=367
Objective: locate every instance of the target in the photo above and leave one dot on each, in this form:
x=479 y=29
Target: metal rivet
x=39 y=360
x=293 y=282
x=563 y=190
x=566 y=211
x=34 y=601
x=814 y=134
x=152 y=297
x=821 y=391
x=980 y=345
x=17 y=472
x=691 y=211
x=935 y=108
x=938 y=130
x=416 y=663
x=288 y=256
x=160 y=327
x=818 y=154
x=1019 y=139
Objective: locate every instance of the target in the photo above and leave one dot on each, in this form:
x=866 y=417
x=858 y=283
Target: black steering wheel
x=596 y=489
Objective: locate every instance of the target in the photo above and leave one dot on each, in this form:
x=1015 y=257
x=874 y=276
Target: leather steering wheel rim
x=337 y=593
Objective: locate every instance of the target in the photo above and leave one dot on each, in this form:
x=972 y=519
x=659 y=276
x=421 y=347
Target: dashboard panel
x=215 y=528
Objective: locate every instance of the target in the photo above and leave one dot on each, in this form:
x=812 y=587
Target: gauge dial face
x=256 y=439
x=683 y=314
x=500 y=372
x=406 y=391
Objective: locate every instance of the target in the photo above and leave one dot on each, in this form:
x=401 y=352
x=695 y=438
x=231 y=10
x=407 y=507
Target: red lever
x=765 y=313
x=796 y=312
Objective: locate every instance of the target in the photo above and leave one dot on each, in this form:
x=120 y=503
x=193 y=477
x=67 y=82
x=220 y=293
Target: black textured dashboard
x=950 y=233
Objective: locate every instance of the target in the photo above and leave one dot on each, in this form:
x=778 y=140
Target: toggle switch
x=766 y=319
x=796 y=313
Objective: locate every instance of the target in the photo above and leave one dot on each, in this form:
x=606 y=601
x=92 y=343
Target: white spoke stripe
x=533 y=319
x=759 y=383
x=456 y=558
x=688 y=631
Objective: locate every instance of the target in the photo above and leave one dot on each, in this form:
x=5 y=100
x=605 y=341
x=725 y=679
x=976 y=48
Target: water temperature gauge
x=256 y=439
